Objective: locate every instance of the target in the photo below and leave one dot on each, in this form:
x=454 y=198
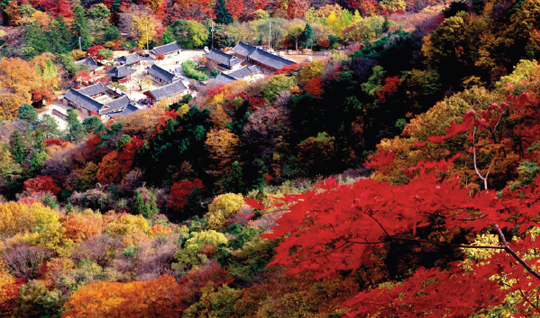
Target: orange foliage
x=109 y=170
x=154 y=298
x=314 y=87
x=80 y=227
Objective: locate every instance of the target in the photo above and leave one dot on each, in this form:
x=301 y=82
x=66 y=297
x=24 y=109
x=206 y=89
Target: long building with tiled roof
x=171 y=91
x=84 y=99
x=268 y=61
x=223 y=59
x=161 y=75
x=130 y=60
x=165 y=49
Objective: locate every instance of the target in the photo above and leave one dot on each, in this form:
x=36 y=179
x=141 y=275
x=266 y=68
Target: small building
x=170 y=93
x=244 y=72
x=89 y=62
x=267 y=61
x=166 y=49
x=120 y=74
x=85 y=100
x=130 y=61
x=223 y=59
x=161 y=75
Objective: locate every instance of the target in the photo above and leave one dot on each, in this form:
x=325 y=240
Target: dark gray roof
x=223 y=78
x=165 y=49
x=243 y=49
x=222 y=58
x=168 y=90
x=129 y=59
x=83 y=100
x=269 y=59
x=120 y=71
x=89 y=62
x=161 y=73
x=119 y=106
x=92 y=89
x=244 y=72
x=115 y=105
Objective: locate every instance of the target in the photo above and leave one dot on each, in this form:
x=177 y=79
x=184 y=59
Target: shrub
x=197 y=248
x=223 y=207
x=189 y=70
x=25 y=261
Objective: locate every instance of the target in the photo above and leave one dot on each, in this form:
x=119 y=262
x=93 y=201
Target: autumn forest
x=362 y=158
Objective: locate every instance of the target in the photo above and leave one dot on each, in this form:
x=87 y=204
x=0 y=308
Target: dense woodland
x=396 y=179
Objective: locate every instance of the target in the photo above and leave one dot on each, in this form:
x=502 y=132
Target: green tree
x=150 y=208
x=190 y=34
x=72 y=117
x=35 y=300
x=18 y=148
x=39 y=140
x=37 y=160
x=80 y=29
x=307 y=36
x=93 y=124
x=76 y=132
x=138 y=203
x=27 y=113
x=235 y=182
x=60 y=36
x=168 y=35
x=49 y=126
x=222 y=14
x=37 y=41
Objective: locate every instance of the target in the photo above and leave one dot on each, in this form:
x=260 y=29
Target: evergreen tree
x=69 y=208
x=72 y=117
x=235 y=182
x=138 y=204
x=93 y=124
x=168 y=36
x=27 y=113
x=50 y=202
x=76 y=132
x=17 y=147
x=79 y=29
x=150 y=208
x=37 y=41
x=307 y=36
x=36 y=162
x=222 y=14
x=60 y=36
x=39 y=140
x=49 y=126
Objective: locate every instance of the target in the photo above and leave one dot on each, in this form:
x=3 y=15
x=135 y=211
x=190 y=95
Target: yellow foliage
x=34 y=224
x=133 y=229
x=312 y=70
x=223 y=207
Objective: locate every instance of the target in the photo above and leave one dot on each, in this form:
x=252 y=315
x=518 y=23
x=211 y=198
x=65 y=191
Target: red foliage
x=323 y=43
x=160 y=57
x=340 y=227
x=28 y=201
x=93 y=52
x=390 y=88
x=56 y=142
x=314 y=87
x=127 y=155
x=288 y=69
x=41 y=184
x=42 y=93
x=168 y=115
x=384 y=158
x=180 y=192
x=58 y=7
x=214 y=91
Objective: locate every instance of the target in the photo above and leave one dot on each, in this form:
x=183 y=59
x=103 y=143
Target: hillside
x=394 y=173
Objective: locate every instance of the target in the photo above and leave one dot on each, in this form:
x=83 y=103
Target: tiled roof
x=161 y=73
x=92 y=89
x=244 y=72
x=223 y=78
x=243 y=49
x=168 y=90
x=222 y=58
x=115 y=105
x=165 y=49
x=83 y=100
x=89 y=62
x=120 y=71
x=129 y=59
x=118 y=106
x=269 y=59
